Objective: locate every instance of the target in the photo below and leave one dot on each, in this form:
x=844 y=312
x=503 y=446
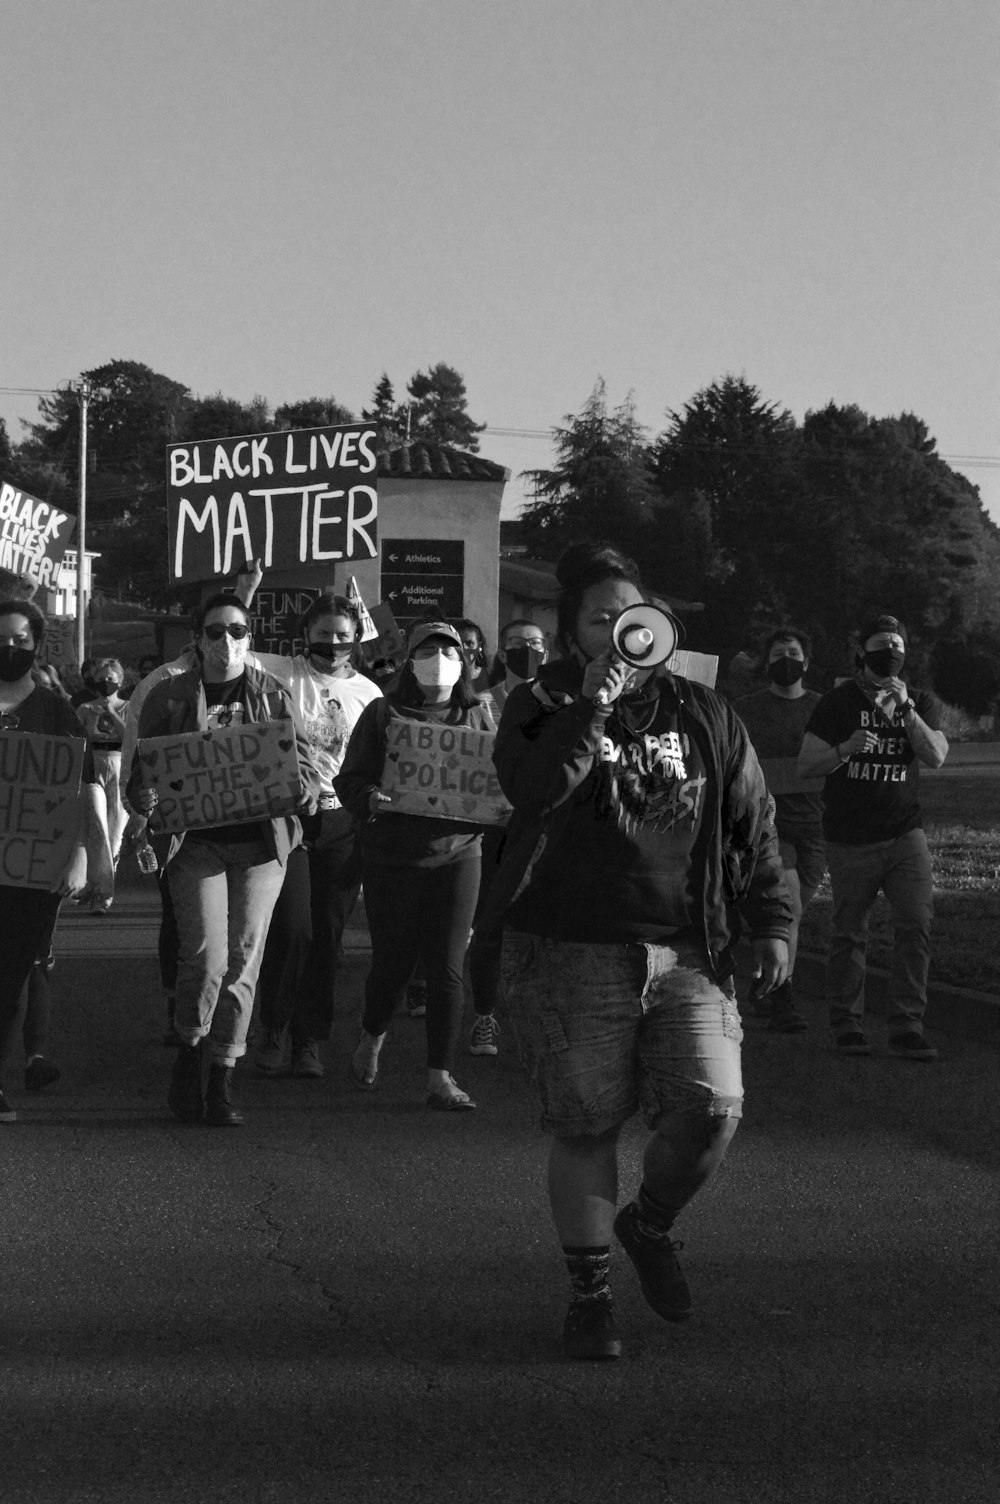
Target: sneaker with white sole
x=7 y=1113
x=483 y=1035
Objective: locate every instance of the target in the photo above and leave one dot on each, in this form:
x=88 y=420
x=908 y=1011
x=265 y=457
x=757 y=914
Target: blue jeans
x=223 y=893
x=902 y=870
x=606 y=1029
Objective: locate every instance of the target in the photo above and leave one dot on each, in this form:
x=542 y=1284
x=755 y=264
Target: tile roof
x=423 y=461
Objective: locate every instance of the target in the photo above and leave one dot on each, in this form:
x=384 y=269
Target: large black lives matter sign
x=33 y=536
x=298 y=498
x=420 y=575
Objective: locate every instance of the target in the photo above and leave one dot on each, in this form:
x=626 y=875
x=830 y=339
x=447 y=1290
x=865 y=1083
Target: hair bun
x=582 y=563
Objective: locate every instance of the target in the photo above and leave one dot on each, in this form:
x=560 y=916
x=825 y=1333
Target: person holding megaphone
x=640 y=822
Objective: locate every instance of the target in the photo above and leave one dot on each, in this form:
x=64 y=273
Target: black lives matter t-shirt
x=874 y=796
x=622 y=871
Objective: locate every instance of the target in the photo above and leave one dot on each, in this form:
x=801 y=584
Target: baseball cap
x=432 y=629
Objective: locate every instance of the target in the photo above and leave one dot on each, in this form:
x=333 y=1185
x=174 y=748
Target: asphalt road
x=353 y=1299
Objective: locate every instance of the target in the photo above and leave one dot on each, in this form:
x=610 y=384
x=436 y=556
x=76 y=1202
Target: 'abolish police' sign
x=301 y=497
x=33 y=535
x=442 y=771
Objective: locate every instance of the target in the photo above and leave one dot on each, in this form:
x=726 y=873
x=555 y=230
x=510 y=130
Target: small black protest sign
x=301 y=497
x=39 y=812
x=225 y=776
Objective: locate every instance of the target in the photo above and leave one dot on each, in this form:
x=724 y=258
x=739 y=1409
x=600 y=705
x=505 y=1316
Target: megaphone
x=643 y=636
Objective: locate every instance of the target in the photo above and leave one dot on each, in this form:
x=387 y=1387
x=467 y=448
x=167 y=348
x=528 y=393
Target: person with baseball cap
x=420 y=871
x=868 y=738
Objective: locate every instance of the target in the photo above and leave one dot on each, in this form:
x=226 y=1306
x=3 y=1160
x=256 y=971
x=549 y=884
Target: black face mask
x=15 y=663
x=884 y=663
x=108 y=686
x=333 y=653
x=786 y=671
x=523 y=662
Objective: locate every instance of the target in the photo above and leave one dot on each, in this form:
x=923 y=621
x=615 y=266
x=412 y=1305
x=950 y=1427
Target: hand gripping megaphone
x=643 y=636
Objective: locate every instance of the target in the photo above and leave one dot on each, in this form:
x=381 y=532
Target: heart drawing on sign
x=51 y=804
x=260 y=771
x=149 y=759
x=176 y=784
x=286 y=744
x=432 y=799
x=393 y=756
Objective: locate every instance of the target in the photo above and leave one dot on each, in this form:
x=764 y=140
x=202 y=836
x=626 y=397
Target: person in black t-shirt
x=867 y=738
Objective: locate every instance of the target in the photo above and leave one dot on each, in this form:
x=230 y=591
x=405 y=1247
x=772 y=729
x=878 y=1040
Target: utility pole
x=83 y=390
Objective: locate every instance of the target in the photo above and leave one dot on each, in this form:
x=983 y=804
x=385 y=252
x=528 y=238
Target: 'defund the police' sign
x=301 y=497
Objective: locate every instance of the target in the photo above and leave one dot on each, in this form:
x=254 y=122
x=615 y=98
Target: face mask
x=227 y=653
x=786 y=671
x=523 y=662
x=884 y=663
x=327 y=656
x=108 y=686
x=15 y=663
x=436 y=672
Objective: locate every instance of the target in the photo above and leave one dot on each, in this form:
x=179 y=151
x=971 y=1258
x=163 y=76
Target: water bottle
x=146 y=857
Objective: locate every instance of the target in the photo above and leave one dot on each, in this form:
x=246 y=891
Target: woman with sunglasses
x=28 y=914
x=224 y=880
x=420 y=872
x=323 y=876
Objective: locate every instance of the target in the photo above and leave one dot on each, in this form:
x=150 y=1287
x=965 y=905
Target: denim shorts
x=605 y=1030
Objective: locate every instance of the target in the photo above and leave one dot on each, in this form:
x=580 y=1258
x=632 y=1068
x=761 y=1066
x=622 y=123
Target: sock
x=654 y=1219
x=588 y=1272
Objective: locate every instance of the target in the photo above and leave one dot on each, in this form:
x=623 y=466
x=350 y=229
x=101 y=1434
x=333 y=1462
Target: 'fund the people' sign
x=39 y=812
x=445 y=771
x=300 y=497
x=221 y=777
x=34 y=536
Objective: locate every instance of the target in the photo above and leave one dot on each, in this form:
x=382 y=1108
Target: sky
x=290 y=199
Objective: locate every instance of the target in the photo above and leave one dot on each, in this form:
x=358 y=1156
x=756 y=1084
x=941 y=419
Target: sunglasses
x=218 y=630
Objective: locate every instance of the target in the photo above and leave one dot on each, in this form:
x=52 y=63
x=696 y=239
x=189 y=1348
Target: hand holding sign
x=226 y=776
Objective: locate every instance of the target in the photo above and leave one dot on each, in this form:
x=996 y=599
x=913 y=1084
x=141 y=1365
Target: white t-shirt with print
x=326 y=708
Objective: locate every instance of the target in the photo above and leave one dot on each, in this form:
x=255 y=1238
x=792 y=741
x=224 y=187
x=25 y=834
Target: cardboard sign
x=59 y=646
x=276 y=617
x=367 y=630
x=39 y=789
x=34 y=536
x=387 y=649
x=222 y=777
x=304 y=496
x=444 y=771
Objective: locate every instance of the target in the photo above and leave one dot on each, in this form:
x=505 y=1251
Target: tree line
x=735 y=505
x=766 y=521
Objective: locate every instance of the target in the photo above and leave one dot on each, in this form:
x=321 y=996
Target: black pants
x=27 y=918
x=297 y=975
x=420 y=914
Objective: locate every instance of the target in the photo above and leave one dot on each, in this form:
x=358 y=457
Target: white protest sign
x=368 y=630
x=444 y=771
x=59 y=645
x=39 y=815
x=34 y=536
x=703 y=668
x=221 y=777
x=300 y=497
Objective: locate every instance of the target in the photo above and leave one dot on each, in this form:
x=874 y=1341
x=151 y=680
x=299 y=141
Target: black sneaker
x=655 y=1259
x=39 y=1073
x=911 y=1046
x=853 y=1043
x=7 y=1113
x=590 y=1330
x=184 y=1097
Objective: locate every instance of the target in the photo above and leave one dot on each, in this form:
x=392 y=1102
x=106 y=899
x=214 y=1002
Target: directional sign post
x=420 y=575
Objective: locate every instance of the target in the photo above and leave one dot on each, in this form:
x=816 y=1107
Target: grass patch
x=961 y=812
